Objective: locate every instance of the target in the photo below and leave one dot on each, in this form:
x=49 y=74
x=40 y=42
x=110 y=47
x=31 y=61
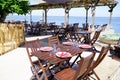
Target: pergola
x=68 y=4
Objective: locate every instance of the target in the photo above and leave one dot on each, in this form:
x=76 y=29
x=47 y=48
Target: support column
x=45 y=18
x=110 y=20
x=25 y=18
x=86 y=23
x=66 y=19
x=93 y=7
x=30 y=17
x=93 y=16
x=111 y=10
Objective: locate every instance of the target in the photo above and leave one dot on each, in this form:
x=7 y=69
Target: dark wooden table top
x=52 y=58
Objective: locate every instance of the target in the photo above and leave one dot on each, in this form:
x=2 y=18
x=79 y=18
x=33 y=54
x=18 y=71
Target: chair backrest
x=101 y=56
x=72 y=36
x=103 y=27
x=85 y=26
x=53 y=40
x=31 y=47
x=84 y=65
x=95 y=37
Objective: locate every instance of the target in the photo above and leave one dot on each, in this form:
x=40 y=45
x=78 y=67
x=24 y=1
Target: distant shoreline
x=72 y=19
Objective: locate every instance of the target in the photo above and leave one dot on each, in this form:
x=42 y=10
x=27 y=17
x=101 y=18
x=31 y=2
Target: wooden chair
x=99 y=59
x=103 y=27
x=76 y=37
x=36 y=64
x=95 y=37
x=71 y=74
x=72 y=36
x=53 y=40
x=115 y=50
x=75 y=25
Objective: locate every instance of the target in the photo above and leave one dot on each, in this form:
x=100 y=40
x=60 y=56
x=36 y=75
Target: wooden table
x=52 y=58
x=86 y=35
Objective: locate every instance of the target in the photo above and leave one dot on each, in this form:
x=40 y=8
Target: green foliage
x=13 y=6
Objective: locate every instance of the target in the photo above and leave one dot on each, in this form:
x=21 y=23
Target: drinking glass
x=76 y=44
x=58 y=49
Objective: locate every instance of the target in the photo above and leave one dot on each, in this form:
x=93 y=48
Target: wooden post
x=93 y=16
x=30 y=17
x=66 y=20
x=110 y=20
x=45 y=18
x=87 y=8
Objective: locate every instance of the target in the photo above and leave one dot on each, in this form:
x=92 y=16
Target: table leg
x=75 y=60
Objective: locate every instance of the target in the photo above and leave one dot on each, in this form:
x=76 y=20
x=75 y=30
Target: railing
x=11 y=36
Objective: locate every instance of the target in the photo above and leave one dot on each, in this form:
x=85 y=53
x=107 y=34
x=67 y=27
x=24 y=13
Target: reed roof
x=51 y=4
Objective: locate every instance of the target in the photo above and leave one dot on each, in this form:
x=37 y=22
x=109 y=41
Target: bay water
x=72 y=19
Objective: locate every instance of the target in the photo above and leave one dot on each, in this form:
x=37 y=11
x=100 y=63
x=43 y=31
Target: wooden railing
x=11 y=36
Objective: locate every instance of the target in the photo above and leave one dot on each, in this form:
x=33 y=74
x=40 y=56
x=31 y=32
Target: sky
x=100 y=11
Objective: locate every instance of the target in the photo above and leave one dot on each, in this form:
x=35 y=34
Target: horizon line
x=62 y=15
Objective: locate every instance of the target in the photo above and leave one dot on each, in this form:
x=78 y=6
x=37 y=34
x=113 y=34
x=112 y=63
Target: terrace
x=16 y=66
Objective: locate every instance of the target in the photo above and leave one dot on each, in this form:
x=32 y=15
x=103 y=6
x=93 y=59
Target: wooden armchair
x=32 y=47
x=71 y=74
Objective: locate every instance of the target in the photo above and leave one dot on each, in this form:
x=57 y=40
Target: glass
x=76 y=44
x=58 y=49
x=52 y=53
x=54 y=48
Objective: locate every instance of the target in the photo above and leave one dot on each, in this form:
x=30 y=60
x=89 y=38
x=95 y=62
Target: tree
x=13 y=6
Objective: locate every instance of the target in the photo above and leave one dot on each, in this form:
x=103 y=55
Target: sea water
x=72 y=19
